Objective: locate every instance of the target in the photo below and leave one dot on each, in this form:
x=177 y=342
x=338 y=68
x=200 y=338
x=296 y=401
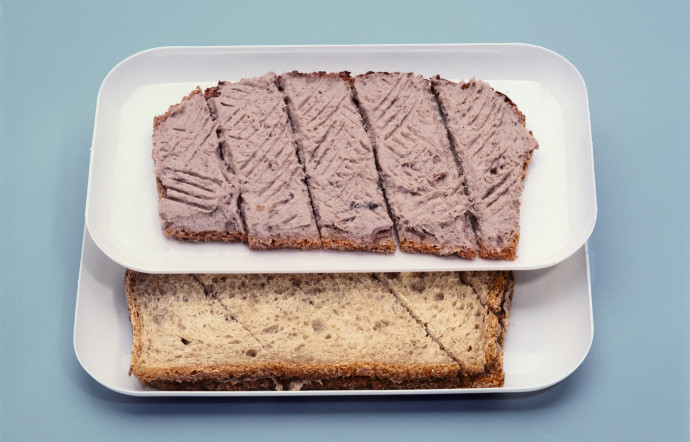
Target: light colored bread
x=180 y=332
x=285 y=331
x=467 y=320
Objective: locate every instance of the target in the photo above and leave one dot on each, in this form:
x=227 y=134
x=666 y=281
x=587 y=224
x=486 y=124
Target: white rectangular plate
x=549 y=335
x=558 y=209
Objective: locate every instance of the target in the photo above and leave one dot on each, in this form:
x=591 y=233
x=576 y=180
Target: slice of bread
x=468 y=320
x=183 y=334
x=339 y=161
x=197 y=195
x=423 y=184
x=259 y=146
x=308 y=331
x=494 y=148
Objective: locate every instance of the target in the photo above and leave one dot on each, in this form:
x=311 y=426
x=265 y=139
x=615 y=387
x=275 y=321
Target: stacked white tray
x=551 y=326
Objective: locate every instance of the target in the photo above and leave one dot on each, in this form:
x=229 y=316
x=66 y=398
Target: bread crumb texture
x=318 y=331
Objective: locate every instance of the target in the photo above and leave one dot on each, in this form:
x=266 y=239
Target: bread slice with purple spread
x=423 y=184
x=339 y=162
x=198 y=196
x=494 y=148
x=258 y=145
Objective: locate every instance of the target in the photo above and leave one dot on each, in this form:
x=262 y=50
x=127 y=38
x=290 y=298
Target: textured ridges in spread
x=494 y=148
x=333 y=331
x=422 y=182
x=446 y=161
x=198 y=197
x=339 y=162
x=259 y=146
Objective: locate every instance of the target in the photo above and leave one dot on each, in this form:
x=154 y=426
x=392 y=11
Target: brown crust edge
x=386 y=245
x=303 y=243
x=429 y=248
x=134 y=318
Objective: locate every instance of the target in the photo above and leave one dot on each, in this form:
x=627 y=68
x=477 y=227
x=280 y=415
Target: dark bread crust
x=159 y=119
x=383 y=246
x=492 y=377
x=430 y=248
x=283 y=384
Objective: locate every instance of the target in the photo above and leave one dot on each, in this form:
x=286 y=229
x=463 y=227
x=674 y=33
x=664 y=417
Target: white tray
x=549 y=335
x=558 y=205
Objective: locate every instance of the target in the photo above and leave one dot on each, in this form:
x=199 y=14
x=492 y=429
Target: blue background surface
x=634 y=57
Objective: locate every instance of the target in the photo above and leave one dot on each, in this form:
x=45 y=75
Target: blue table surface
x=634 y=57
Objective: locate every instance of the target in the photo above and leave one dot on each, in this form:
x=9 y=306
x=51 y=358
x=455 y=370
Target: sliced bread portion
x=259 y=146
x=183 y=335
x=197 y=195
x=468 y=320
x=339 y=162
x=421 y=179
x=494 y=148
x=319 y=328
x=317 y=331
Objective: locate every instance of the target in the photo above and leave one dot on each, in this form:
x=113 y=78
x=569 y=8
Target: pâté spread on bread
x=331 y=160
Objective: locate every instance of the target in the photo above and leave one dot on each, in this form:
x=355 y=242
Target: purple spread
x=259 y=146
x=422 y=181
x=494 y=148
x=339 y=161
x=200 y=194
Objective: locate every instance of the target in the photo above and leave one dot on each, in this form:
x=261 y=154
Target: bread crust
x=429 y=248
x=160 y=119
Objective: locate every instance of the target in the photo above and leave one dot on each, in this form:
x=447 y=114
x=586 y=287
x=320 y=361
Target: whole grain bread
x=309 y=331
